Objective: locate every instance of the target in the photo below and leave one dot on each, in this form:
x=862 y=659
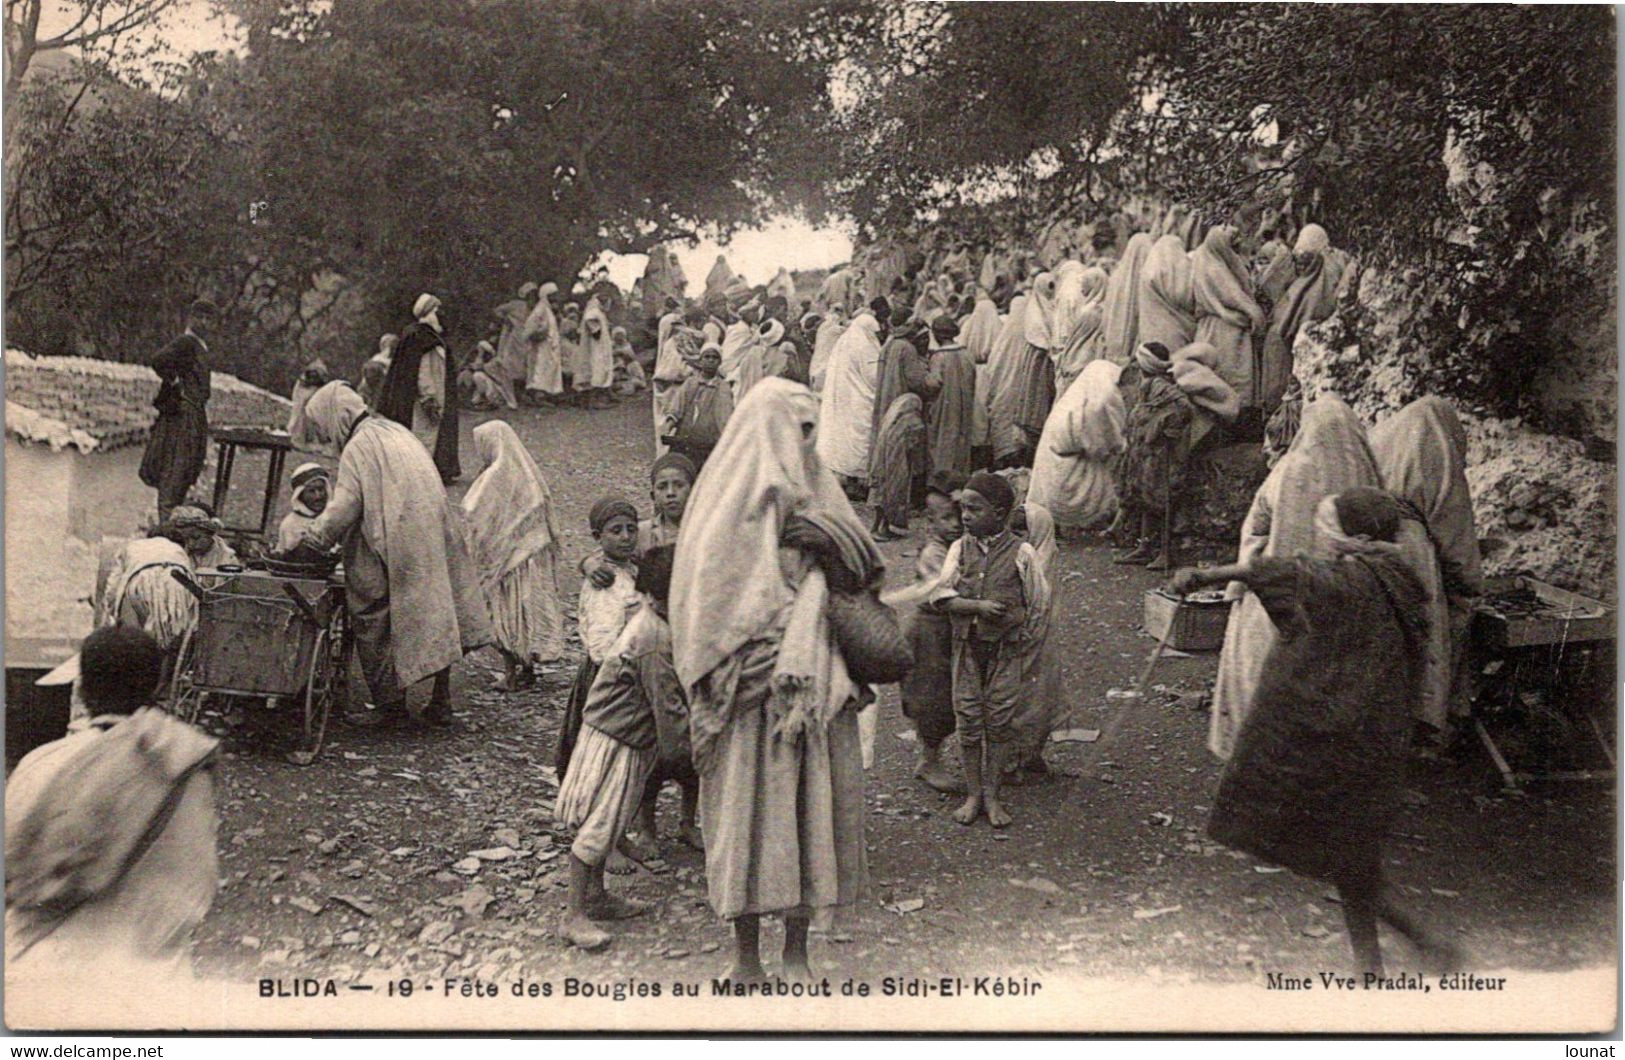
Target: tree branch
x=138 y=14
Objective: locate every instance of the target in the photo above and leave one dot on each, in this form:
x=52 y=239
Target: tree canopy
x=958 y=102
x=355 y=152
x=460 y=146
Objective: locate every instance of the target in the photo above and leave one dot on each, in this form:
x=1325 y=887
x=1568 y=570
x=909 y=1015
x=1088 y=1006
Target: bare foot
x=1162 y=562
x=969 y=810
x=610 y=907
x=577 y=930
x=939 y=779
x=996 y=815
x=618 y=864
x=1442 y=958
x=640 y=848
x=742 y=972
x=691 y=837
x=796 y=970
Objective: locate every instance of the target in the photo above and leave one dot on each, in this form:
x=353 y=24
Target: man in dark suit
x=180 y=438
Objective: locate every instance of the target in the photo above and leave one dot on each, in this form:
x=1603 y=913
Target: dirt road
x=435 y=853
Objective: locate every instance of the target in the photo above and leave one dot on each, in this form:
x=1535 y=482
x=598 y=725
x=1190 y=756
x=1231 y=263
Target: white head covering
x=727 y=585
x=771 y=332
x=305 y=472
x=1036 y=322
x=527 y=288
x=426 y=306
x=1041 y=535
x=332 y=413
x=509 y=507
x=981 y=328
x=546 y=289
x=1312 y=238
x=594 y=314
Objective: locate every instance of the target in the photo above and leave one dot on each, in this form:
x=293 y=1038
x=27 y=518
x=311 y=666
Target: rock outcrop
x=1543 y=506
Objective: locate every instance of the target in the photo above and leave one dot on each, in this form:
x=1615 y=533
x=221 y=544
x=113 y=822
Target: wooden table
x=1574 y=624
x=230 y=439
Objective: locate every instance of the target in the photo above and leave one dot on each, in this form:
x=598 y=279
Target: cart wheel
x=320 y=691
x=342 y=647
x=185 y=701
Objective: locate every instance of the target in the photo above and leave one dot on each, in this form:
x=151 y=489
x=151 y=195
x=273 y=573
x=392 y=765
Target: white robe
x=1072 y=468
x=847 y=413
x=829 y=333
x=783 y=285
x=546 y=363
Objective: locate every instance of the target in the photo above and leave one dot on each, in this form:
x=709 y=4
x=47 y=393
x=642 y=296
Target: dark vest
x=993 y=576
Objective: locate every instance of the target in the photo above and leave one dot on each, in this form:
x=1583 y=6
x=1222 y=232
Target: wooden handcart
x=270 y=638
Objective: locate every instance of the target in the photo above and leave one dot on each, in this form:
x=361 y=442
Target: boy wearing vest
x=991 y=585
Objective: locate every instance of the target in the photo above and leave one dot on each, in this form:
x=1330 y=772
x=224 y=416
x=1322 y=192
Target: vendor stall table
x=1524 y=625
x=228 y=440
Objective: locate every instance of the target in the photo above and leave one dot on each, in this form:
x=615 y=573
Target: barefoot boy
x=604 y=784
x=928 y=690
x=991 y=584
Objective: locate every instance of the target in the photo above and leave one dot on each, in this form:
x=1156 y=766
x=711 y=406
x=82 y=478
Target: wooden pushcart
x=271 y=638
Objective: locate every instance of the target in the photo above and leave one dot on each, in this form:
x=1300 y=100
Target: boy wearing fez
x=991 y=584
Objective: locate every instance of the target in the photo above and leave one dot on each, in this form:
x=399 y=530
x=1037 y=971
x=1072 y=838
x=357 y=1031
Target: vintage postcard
x=810 y=516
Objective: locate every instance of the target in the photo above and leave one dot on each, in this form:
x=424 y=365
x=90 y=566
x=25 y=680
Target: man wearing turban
x=414 y=393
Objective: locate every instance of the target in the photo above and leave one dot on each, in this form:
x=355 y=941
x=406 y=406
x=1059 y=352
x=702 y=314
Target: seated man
x=308 y=488
x=197 y=518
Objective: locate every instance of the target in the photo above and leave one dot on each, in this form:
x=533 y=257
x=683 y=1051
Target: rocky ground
x=435 y=853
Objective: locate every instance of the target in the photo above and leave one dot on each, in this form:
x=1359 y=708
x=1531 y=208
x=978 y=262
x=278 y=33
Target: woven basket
x=869 y=637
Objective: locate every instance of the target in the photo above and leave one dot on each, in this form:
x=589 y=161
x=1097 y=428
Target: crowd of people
x=734 y=637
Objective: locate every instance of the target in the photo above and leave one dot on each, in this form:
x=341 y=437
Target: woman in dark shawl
x=415 y=392
x=1315 y=777
x=903 y=367
x=899 y=462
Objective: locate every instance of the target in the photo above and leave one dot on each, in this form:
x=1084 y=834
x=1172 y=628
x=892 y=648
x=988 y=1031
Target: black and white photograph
x=810 y=517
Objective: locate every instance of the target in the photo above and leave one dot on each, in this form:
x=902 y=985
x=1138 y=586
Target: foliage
x=1465 y=150
x=961 y=103
x=361 y=151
